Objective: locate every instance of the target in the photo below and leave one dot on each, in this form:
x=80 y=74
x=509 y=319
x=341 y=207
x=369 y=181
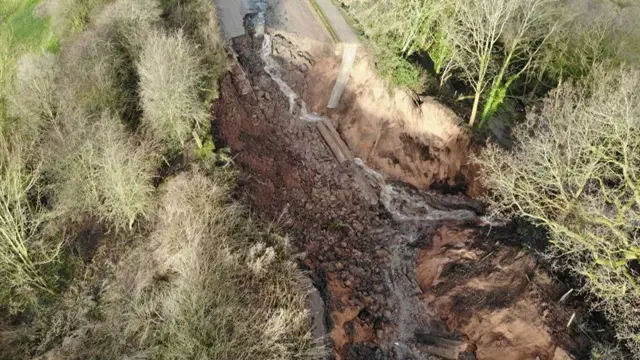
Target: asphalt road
x=294 y=16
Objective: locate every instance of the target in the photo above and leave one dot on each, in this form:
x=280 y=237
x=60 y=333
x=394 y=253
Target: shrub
x=71 y=16
x=98 y=170
x=398 y=71
x=129 y=23
x=170 y=78
x=577 y=171
x=198 y=19
x=90 y=75
x=98 y=67
x=22 y=251
x=33 y=101
x=606 y=352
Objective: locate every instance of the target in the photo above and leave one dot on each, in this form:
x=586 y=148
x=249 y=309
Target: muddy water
x=412 y=266
x=404 y=204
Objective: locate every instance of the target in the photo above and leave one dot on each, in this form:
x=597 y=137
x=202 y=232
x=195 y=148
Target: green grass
x=28 y=31
x=21 y=31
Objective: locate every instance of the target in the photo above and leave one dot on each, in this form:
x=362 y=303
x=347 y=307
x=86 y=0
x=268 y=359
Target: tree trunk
x=474 y=111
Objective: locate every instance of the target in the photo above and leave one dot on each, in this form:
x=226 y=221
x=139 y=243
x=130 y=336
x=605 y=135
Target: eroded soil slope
x=404 y=273
x=411 y=138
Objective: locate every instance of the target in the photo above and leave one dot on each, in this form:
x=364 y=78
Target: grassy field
x=21 y=31
x=100 y=256
x=28 y=31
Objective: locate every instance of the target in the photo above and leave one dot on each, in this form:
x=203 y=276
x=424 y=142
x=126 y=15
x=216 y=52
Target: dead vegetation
x=208 y=283
x=98 y=260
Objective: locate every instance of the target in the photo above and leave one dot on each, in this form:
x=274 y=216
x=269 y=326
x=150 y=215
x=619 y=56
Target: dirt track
x=396 y=285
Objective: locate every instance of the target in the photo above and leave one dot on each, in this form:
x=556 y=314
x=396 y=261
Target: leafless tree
x=577 y=172
x=491 y=36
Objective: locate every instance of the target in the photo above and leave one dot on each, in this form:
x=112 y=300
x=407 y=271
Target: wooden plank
x=429 y=339
x=331 y=142
x=343 y=146
x=344 y=155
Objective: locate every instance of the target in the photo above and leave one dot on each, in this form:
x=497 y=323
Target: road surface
x=293 y=16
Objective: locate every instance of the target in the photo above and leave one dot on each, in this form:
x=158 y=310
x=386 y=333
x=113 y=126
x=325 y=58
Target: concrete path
x=298 y=17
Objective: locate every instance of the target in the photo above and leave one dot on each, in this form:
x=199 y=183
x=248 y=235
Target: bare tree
x=577 y=172
x=582 y=42
x=491 y=36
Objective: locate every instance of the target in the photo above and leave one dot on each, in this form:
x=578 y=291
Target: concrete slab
x=348 y=59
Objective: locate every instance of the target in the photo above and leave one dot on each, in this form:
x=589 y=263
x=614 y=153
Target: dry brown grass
x=224 y=273
x=210 y=284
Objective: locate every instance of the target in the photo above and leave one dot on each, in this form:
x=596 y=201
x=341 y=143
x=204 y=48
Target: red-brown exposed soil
x=497 y=296
x=410 y=138
x=384 y=281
